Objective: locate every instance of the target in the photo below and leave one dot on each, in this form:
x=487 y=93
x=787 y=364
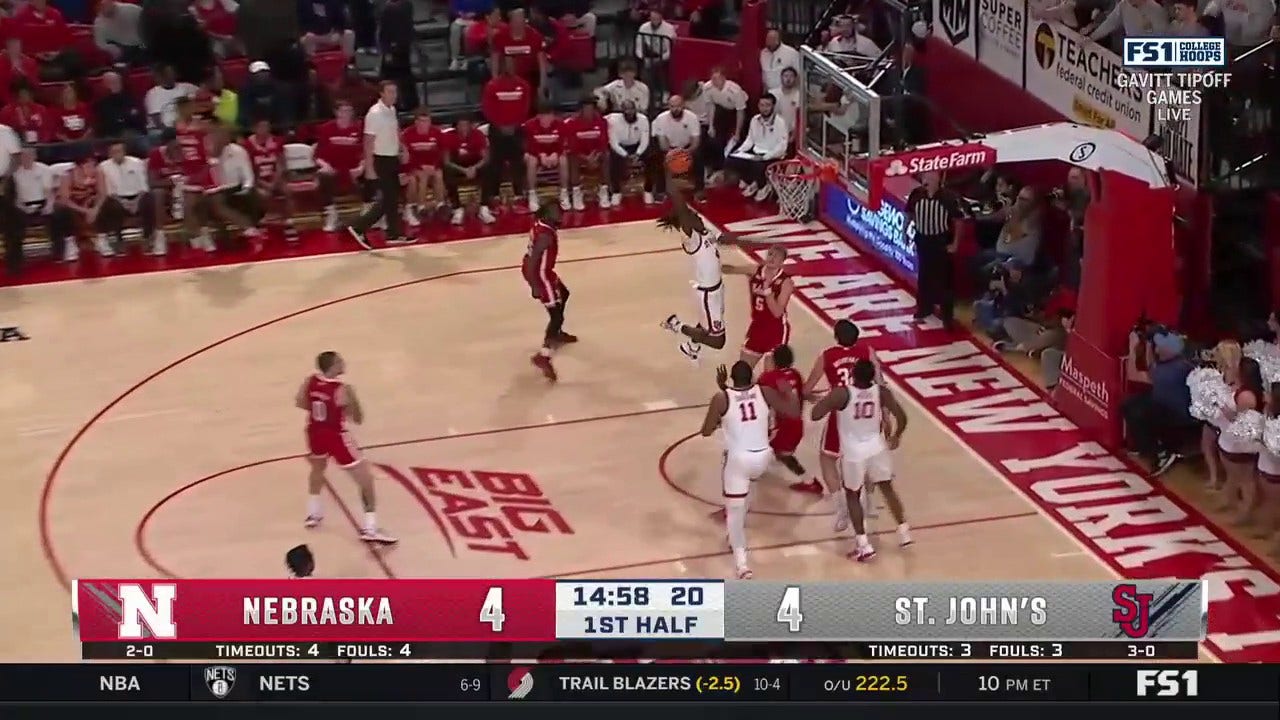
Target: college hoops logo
x=520 y=683
x=1133 y=610
x=220 y=679
x=955 y=18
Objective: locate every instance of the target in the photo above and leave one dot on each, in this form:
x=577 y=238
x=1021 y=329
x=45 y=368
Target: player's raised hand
x=722 y=377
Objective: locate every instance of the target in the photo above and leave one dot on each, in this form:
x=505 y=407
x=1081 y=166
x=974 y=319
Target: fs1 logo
x=1169 y=683
x=154 y=610
x=1133 y=610
x=1175 y=52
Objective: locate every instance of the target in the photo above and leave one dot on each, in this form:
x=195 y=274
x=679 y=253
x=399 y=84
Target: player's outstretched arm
x=815 y=377
x=831 y=402
x=715 y=410
x=728 y=269
x=891 y=405
x=785 y=404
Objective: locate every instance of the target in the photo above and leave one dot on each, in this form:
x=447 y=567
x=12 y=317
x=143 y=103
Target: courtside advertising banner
x=1078 y=78
x=1002 y=31
x=1177 y=122
x=953 y=21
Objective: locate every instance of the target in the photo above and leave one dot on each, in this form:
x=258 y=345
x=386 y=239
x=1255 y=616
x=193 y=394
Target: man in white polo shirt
x=13 y=234
x=128 y=195
x=382 y=165
x=677 y=128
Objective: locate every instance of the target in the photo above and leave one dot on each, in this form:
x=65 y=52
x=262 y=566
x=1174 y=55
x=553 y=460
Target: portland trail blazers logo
x=955 y=17
x=220 y=679
x=520 y=683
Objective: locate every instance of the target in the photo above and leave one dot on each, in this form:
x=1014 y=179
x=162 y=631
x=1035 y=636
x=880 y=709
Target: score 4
x=789 y=613
x=491 y=611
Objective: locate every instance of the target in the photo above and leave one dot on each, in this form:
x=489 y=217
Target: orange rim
x=802 y=168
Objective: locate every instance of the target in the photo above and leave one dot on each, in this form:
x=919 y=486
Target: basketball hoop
x=796 y=182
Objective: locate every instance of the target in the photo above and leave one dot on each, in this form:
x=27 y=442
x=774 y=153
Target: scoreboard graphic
x=288 y=620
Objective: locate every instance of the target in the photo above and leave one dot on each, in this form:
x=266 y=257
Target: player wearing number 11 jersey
x=741 y=408
x=328 y=403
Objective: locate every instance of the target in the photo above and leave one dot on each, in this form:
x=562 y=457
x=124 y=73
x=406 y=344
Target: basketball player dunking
x=539 y=270
x=862 y=410
x=328 y=402
x=741 y=408
x=771 y=290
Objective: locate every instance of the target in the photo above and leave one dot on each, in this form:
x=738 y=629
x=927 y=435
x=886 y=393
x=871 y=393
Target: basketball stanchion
x=796 y=182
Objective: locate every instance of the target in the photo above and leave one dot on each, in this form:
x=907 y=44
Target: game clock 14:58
x=639 y=595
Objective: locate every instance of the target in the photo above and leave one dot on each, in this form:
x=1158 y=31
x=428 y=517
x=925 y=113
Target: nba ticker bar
x=882 y=683
x=149 y=614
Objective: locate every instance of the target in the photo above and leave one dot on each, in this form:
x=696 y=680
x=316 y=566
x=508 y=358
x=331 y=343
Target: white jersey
x=1268 y=462
x=859 y=422
x=746 y=421
x=705 y=253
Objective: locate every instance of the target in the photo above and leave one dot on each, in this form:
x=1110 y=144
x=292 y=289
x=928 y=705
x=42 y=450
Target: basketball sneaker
x=376 y=535
x=690 y=350
x=330 y=218
x=579 y=203
x=486 y=215
x=543 y=363
x=602 y=197
x=904 y=535
x=359 y=238
x=672 y=324
x=744 y=573
x=565 y=338
x=862 y=552
x=841 y=519
x=313 y=520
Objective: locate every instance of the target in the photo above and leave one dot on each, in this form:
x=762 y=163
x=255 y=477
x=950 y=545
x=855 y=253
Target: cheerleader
x=1269 y=470
x=1226 y=357
x=1240 y=454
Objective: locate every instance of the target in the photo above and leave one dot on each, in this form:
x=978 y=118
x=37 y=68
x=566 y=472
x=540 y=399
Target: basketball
x=679 y=161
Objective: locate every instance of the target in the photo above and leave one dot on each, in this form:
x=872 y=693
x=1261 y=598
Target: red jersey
x=583 y=136
x=523 y=50
x=265 y=155
x=193 y=156
x=544 y=138
x=760 y=312
x=540 y=272
x=506 y=100
x=838 y=362
x=467 y=149
x=71 y=123
x=323 y=410
x=84 y=184
x=161 y=166
x=476 y=41
x=214 y=17
x=425 y=147
x=40 y=31
x=340 y=147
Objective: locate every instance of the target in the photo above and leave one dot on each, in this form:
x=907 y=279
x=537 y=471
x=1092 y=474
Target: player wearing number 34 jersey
x=329 y=403
x=741 y=409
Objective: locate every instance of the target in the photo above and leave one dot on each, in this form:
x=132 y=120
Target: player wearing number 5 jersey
x=771 y=290
x=861 y=410
x=329 y=402
x=741 y=408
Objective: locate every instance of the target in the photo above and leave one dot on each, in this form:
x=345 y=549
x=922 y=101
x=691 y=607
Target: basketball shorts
x=546 y=288
x=710 y=305
x=765 y=335
x=340 y=447
x=741 y=467
x=831 y=437
x=866 y=462
x=786 y=435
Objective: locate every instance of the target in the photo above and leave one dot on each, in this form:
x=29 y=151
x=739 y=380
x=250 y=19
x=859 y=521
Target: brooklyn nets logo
x=220 y=679
x=954 y=16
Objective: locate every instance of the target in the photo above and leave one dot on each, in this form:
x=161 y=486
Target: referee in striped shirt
x=934 y=210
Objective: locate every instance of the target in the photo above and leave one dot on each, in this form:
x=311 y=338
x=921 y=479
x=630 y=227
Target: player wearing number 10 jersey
x=862 y=410
x=741 y=408
x=328 y=403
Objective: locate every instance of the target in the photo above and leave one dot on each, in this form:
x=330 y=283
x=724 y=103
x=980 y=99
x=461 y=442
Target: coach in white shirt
x=677 y=128
x=33 y=193
x=629 y=139
x=382 y=165
x=728 y=117
x=776 y=57
x=611 y=95
x=767 y=138
x=655 y=38
x=124 y=179
x=786 y=100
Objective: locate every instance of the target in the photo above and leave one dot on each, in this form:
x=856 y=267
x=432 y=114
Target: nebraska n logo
x=955 y=17
x=147 y=614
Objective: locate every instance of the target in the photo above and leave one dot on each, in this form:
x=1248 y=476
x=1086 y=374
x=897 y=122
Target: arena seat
x=300 y=164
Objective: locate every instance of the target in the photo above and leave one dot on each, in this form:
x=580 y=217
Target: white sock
x=904 y=528
x=313 y=505
x=735 y=510
x=370 y=521
x=862 y=541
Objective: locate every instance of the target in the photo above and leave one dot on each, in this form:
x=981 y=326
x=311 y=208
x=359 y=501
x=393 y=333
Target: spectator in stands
x=1247 y=23
x=72 y=122
x=1011 y=291
x=355 y=90
x=117 y=31
x=526 y=49
x=164 y=167
x=1020 y=235
x=28 y=118
x=315 y=102
x=118 y=115
x=506 y=103
x=466 y=158
x=612 y=94
x=677 y=128
x=1186 y=21
x=340 y=161
x=469 y=15
x=705 y=17
x=766 y=142
x=908 y=84
x=1156 y=417
x=629 y=143
x=654 y=41
x=214 y=99
x=1073 y=199
x=261 y=98
x=396 y=38
x=775 y=57
x=218 y=20
x=161 y=100
x=325 y=26
x=787 y=101
x=33 y=194
x=586 y=137
x=423 y=142
x=846 y=39
x=728 y=103
x=79 y=205
x=998 y=194
x=544 y=151
x=15 y=64
x=173 y=37
x=477 y=41
x=573 y=16
x=45 y=34
x=1136 y=18
x=1070 y=13
x=126 y=194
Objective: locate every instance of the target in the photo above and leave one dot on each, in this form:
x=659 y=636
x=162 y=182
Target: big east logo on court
x=1133 y=610
x=146 y=614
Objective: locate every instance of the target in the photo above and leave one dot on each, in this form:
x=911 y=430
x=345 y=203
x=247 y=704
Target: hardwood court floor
x=154 y=421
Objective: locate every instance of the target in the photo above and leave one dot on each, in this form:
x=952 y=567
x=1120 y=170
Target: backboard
x=842 y=117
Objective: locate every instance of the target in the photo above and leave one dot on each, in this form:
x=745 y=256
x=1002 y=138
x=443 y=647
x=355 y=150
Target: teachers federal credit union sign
x=1078 y=78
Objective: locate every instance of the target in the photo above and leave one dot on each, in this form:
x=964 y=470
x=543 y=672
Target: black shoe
x=359 y=237
x=1164 y=461
x=401 y=240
